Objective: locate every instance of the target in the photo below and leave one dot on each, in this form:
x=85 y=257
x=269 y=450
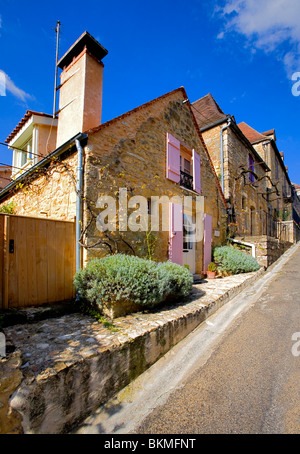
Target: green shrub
x=233 y=261
x=126 y=278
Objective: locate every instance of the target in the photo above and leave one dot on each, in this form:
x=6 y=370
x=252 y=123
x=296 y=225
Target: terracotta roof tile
x=207 y=111
x=251 y=134
x=22 y=122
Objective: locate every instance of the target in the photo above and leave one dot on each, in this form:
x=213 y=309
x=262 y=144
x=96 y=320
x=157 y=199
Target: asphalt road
x=250 y=384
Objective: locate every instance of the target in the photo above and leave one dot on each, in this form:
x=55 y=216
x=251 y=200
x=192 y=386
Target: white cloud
x=270 y=25
x=7 y=85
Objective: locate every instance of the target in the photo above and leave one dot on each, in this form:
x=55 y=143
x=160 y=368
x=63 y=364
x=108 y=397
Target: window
x=186 y=176
x=21 y=158
x=183 y=165
x=244 y=203
x=251 y=168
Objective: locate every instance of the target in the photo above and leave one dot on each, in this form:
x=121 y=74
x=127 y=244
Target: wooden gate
x=37 y=260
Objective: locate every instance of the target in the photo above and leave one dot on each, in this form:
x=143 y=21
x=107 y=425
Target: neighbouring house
x=241 y=171
x=31 y=140
x=75 y=167
x=256 y=185
x=280 y=197
x=279 y=185
x=5 y=176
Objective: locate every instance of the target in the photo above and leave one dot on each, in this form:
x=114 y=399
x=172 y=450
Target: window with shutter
x=251 y=168
x=173 y=159
x=183 y=165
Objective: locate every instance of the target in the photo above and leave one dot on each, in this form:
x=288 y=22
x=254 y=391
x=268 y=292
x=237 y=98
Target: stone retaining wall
x=267 y=248
x=72 y=365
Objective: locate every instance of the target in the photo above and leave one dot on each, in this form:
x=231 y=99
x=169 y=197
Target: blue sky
x=243 y=52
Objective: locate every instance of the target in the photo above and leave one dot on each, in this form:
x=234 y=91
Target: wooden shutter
x=176 y=234
x=173 y=159
x=251 y=168
x=196 y=172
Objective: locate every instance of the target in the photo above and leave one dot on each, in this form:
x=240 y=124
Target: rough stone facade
x=10 y=379
x=50 y=195
x=281 y=203
x=245 y=199
x=130 y=152
x=267 y=249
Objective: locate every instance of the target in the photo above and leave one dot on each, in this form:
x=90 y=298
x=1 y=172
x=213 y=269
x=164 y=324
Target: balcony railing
x=186 y=180
x=287 y=197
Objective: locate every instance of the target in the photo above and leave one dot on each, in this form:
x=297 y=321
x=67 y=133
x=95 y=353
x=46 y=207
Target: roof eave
x=57 y=152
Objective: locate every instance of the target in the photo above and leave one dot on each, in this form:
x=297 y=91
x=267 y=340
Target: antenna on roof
x=55 y=82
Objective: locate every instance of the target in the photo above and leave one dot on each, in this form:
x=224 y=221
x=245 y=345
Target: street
x=251 y=383
x=237 y=373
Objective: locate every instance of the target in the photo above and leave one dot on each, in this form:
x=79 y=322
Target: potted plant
x=211 y=270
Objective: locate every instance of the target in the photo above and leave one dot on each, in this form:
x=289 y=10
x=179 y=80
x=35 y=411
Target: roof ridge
x=136 y=109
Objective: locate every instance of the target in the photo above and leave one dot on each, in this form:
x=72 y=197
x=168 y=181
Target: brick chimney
x=80 y=97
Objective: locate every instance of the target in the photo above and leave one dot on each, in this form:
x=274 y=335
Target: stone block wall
x=10 y=379
x=49 y=194
x=267 y=248
x=245 y=199
x=278 y=202
x=131 y=152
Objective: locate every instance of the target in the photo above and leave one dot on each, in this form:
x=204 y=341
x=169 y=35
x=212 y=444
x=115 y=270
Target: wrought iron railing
x=186 y=180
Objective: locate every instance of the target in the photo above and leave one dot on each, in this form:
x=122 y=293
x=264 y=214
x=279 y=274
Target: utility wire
x=25 y=151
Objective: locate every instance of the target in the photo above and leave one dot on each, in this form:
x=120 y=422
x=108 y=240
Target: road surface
x=238 y=372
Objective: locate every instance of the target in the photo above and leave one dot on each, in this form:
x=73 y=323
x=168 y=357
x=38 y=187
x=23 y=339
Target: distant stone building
x=279 y=185
x=240 y=169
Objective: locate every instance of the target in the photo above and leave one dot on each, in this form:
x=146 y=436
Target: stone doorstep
x=60 y=350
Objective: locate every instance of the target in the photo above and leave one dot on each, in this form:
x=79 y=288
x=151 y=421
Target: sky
x=246 y=53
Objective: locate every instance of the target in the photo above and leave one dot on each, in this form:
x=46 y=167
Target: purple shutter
x=196 y=172
x=251 y=168
x=173 y=159
x=176 y=234
x=207 y=241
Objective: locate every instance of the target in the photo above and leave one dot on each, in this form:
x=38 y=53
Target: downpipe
x=222 y=152
x=78 y=203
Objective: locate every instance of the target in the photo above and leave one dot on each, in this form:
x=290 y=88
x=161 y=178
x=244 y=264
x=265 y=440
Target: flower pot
x=211 y=274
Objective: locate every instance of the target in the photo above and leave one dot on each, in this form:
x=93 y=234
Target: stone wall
x=51 y=195
x=10 y=379
x=278 y=202
x=245 y=199
x=130 y=152
x=267 y=248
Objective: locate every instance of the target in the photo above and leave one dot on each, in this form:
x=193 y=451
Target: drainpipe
x=222 y=153
x=78 y=202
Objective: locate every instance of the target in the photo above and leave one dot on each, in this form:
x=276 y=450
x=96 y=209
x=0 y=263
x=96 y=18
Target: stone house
x=152 y=157
x=279 y=185
x=239 y=167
